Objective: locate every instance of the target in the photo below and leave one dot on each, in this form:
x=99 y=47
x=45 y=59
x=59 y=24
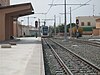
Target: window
x=88 y=23
x=82 y=23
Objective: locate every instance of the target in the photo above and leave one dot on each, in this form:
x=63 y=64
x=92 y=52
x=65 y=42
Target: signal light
x=36 y=24
x=77 y=21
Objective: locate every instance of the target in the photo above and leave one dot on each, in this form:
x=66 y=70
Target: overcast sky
x=41 y=6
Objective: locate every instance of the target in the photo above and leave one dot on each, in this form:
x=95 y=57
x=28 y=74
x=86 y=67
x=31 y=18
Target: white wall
x=26 y=30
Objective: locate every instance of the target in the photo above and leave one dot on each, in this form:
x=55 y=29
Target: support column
x=2 y=27
x=8 y=27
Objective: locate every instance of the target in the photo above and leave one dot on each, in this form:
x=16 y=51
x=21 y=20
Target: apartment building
x=4 y=2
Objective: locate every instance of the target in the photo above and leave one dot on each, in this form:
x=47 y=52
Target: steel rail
x=87 y=42
x=64 y=67
x=81 y=58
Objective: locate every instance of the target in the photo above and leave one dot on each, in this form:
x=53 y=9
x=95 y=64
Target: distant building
x=4 y=2
x=24 y=30
x=33 y=31
x=87 y=20
x=20 y=30
x=98 y=23
x=96 y=31
x=88 y=23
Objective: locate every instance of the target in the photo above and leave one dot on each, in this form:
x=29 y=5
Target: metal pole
x=70 y=23
x=65 y=27
x=39 y=26
x=59 y=22
x=55 y=25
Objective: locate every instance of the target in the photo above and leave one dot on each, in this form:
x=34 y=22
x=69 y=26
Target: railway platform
x=24 y=58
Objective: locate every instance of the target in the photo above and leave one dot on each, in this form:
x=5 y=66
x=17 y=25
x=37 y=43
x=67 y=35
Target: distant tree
x=72 y=24
x=51 y=29
x=61 y=28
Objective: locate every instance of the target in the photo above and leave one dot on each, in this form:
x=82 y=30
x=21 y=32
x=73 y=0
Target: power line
x=67 y=4
x=50 y=7
x=81 y=5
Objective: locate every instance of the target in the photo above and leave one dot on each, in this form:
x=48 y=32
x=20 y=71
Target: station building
x=20 y=30
x=9 y=14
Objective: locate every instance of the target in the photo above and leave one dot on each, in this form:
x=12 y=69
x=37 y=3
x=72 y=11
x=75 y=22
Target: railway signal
x=77 y=33
x=77 y=21
x=36 y=24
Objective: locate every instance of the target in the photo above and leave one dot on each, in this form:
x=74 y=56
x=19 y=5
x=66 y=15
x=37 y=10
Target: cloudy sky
x=41 y=6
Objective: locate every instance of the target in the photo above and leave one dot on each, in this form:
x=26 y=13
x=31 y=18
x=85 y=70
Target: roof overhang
x=18 y=10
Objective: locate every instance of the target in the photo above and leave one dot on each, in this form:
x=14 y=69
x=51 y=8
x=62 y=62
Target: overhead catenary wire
x=81 y=5
x=73 y=4
x=49 y=7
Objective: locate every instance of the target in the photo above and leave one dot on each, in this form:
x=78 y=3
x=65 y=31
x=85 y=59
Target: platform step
x=5 y=46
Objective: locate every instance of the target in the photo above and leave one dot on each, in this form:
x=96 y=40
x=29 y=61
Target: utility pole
x=70 y=24
x=65 y=27
x=55 y=25
x=93 y=9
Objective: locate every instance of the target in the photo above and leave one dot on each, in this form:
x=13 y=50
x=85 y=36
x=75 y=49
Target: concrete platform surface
x=25 y=58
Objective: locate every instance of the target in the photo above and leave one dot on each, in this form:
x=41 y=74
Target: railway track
x=86 y=42
x=52 y=66
x=71 y=63
x=61 y=67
